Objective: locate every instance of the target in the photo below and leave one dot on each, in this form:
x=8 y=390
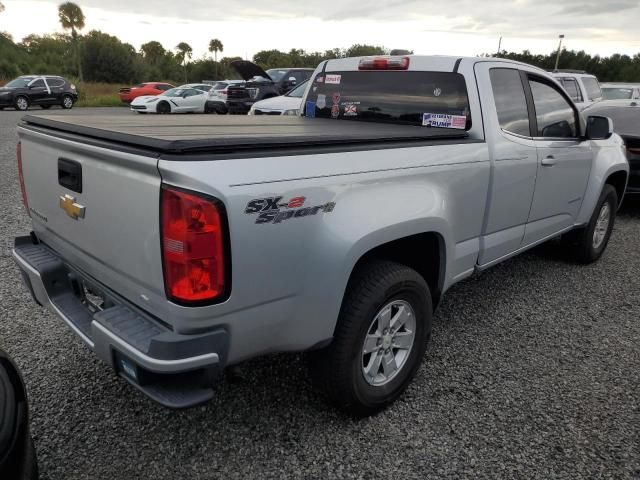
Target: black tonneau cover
x=218 y=134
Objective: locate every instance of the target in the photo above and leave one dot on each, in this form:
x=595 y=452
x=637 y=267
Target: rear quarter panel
x=288 y=278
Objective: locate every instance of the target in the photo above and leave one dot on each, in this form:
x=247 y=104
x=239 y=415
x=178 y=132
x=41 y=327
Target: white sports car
x=184 y=99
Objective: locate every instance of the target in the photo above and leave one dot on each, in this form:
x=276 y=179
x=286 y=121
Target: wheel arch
x=618 y=180
x=424 y=252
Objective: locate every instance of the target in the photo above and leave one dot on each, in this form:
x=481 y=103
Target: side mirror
x=599 y=128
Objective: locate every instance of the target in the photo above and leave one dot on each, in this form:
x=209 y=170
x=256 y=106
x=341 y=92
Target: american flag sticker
x=442 y=120
x=350 y=111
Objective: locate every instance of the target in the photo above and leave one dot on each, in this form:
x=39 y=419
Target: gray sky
x=457 y=27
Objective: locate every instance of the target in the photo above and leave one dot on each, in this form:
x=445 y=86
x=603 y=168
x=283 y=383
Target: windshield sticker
x=322 y=101
x=335 y=111
x=442 y=120
x=310 y=110
x=333 y=79
x=350 y=111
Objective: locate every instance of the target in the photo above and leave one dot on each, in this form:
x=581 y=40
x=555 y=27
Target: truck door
x=514 y=160
x=564 y=161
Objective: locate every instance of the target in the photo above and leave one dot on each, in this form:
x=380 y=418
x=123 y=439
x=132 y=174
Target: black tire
x=580 y=243
x=21 y=103
x=337 y=370
x=163 y=108
x=45 y=107
x=67 y=102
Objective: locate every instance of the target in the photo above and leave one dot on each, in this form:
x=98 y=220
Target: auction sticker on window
x=443 y=120
x=333 y=79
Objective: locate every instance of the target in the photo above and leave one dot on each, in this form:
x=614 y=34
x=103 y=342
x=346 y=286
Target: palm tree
x=216 y=46
x=184 y=53
x=72 y=18
x=153 y=51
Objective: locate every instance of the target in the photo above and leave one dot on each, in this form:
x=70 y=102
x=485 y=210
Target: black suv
x=260 y=84
x=43 y=90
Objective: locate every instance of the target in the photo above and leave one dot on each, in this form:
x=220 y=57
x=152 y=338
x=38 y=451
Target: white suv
x=217 y=101
x=582 y=87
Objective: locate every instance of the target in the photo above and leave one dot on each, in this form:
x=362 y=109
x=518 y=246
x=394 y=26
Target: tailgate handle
x=70 y=174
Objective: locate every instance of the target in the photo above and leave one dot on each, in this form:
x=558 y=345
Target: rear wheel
x=67 y=102
x=586 y=245
x=380 y=339
x=163 y=108
x=22 y=103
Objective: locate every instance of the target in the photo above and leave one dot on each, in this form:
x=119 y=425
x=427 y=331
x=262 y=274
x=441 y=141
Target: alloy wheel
x=388 y=342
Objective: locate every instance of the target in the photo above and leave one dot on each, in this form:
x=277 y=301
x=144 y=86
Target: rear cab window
x=421 y=98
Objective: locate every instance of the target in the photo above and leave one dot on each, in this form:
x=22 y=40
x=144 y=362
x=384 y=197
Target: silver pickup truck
x=175 y=247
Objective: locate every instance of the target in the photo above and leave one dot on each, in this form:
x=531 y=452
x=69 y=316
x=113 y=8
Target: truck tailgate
x=106 y=222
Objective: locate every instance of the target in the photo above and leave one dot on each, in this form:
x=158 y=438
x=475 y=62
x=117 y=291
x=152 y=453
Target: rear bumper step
x=177 y=371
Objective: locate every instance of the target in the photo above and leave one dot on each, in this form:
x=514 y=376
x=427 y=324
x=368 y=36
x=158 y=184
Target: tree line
x=616 y=68
x=99 y=57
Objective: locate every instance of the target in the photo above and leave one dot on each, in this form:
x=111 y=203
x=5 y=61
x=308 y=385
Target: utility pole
x=499 y=44
x=559 y=50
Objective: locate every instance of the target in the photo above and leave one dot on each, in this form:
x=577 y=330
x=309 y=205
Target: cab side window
x=556 y=118
x=39 y=83
x=511 y=103
x=571 y=86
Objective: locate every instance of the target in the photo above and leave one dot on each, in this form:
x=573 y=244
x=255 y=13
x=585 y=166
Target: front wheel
x=163 y=108
x=586 y=245
x=67 y=102
x=380 y=339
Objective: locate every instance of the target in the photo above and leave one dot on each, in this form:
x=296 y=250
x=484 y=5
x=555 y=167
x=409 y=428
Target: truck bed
x=212 y=134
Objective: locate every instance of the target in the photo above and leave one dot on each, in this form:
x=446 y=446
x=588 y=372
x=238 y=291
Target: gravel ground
x=533 y=372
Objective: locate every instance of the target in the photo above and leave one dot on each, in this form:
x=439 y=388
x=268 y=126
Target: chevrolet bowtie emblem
x=71 y=208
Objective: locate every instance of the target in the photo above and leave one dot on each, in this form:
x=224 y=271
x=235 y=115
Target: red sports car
x=149 y=88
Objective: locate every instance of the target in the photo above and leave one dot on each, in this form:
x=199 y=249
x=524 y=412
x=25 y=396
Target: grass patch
x=99 y=95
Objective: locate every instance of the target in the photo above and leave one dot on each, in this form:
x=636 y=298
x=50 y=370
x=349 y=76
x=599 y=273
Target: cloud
x=514 y=15
x=593 y=25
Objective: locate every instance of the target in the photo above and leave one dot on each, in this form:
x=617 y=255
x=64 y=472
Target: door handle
x=548 y=161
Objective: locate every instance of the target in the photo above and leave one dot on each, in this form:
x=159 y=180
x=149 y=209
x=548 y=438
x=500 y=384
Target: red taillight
x=384 y=63
x=192 y=247
x=21 y=176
